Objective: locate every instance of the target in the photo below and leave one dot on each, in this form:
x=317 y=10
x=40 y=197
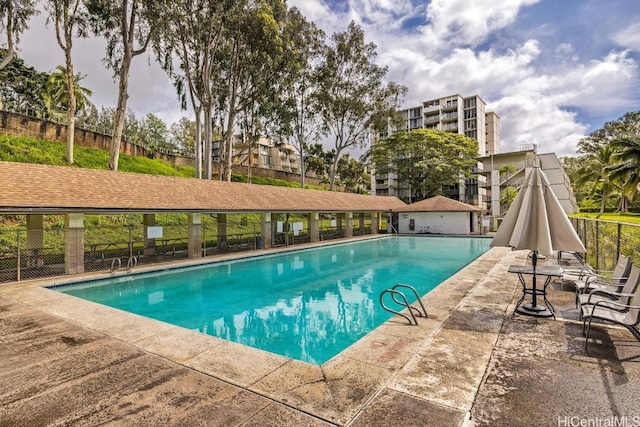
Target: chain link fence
x=24 y=257
x=41 y=253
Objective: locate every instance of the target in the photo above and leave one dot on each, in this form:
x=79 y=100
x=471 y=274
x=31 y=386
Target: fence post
x=618 y=240
x=18 y=258
x=597 y=248
x=584 y=233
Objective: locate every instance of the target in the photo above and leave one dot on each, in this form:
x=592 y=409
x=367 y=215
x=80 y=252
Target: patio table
x=533 y=308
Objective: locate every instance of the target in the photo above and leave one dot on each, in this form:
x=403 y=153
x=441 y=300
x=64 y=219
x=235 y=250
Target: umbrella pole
x=534 y=262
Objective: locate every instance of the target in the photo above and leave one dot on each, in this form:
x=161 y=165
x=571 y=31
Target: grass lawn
x=631 y=218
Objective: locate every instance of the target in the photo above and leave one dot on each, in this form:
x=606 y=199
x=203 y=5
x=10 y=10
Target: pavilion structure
x=37 y=190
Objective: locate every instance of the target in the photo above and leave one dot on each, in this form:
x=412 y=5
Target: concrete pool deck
x=66 y=361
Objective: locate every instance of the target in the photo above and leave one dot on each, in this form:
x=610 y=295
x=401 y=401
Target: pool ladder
x=116 y=263
x=401 y=299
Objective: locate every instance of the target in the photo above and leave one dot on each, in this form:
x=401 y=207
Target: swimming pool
x=307 y=304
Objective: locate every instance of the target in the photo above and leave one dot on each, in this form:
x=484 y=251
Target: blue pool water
x=308 y=305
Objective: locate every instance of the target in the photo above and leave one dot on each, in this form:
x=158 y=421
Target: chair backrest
x=632 y=317
x=633 y=280
x=622 y=268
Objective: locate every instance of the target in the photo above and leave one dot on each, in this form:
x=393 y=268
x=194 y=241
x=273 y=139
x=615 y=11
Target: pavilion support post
x=195 y=235
x=35 y=241
x=361 y=222
x=266 y=231
x=314 y=226
x=340 y=222
x=74 y=243
x=375 y=222
x=222 y=232
x=274 y=229
x=349 y=227
x=149 y=220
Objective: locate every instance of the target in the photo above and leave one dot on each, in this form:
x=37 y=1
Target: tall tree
x=352 y=173
x=627 y=168
x=155 y=134
x=319 y=161
x=254 y=53
x=355 y=103
x=128 y=26
x=69 y=17
x=608 y=161
x=593 y=170
x=424 y=160
x=296 y=116
x=14 y=19
x=21 y=86
x=626 y=143
x=193 y=38
x=183 y=134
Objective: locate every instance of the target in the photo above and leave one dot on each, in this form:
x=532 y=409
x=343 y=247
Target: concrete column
x=195 y=235
x=222 y=232
x=314 y=226
x=349 y=228
x=74 y=243
x=35 y=241
x=267 y=230
x=149 y=220
x=361 y=222
x=375 y=222
x=274 y=225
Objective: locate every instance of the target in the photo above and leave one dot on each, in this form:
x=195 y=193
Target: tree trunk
x=302 y=169
x=198 y=142
x=9 y=28
x=208 y=149
x=121 y=112
x=5 y=61
x=71 y=94
x=332 y=172
x=603 y=203
x=227 y=164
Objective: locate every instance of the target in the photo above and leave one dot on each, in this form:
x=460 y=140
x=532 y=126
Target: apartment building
x=453 y=113
x=263 y=153
x=504 y=170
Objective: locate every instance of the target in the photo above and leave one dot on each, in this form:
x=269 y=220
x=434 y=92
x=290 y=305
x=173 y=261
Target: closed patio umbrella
x=536 y=221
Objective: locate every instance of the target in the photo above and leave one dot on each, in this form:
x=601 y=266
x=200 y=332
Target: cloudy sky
x=553 y=70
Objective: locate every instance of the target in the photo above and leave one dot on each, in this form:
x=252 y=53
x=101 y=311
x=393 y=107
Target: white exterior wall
x=435 y=222
x=559 y=182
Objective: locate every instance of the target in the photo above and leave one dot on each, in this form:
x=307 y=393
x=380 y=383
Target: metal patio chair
x=627 y=315
x=608 y=295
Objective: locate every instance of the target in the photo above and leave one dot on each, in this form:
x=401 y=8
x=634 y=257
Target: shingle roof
x=37 y=188
x=439 y=204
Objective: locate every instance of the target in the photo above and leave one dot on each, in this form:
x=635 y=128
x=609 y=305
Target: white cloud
x=469 y=22
x=628 y=37
x=313 y=10
x=601 y=85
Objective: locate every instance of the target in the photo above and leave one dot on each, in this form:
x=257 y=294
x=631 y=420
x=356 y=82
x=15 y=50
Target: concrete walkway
x=471 y=363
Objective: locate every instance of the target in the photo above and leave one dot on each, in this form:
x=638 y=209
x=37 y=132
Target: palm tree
x=627 y=168
x=56 y=96
x=594 y=171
